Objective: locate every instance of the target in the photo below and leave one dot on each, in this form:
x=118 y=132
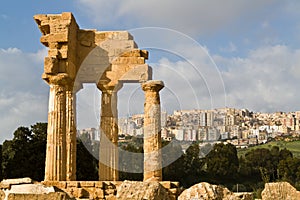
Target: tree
x=38 y=144
x=185 y=167
x=25 y=154
x=289 y=170
x=284 y=154
x=173 y=161
x=87 y=164
x=222 y=163
x=131 y=161
x=28 y=149
x=264 y=162
x=193 y=165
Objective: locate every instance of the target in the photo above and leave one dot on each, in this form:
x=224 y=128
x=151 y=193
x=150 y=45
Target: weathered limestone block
x=280 y=191
x=110 y=45
x=59 y=184
x=51 y=65
x=2 y=195
x=87 y=184
x=31 y=189
x=86 y=37
x=244 y=195
x=78 y=192
x=128 y=73
x=99 y=184
x=58 y=38
x=50 y=196
x=80 y=189
x=207 y=191
x=4 y=186
x=63 y=54
x=128 y=60
x=117 y=35
x=135 y=53
x=113 y=35
x=110 y=197
x=110 y=192
x=24 y=186
x=96 y=193
x=43 y=23
x=141 y=190
x=71 y=184
x=166 y=184
x=16 y=181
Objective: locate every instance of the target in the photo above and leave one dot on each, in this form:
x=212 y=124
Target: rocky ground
x=25 y=188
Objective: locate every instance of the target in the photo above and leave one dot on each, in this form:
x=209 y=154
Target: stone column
x=108 y=155
x=152 y=131
x=71 y=131
x=55 y=169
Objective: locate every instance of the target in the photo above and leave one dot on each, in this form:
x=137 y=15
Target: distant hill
x=293 y=146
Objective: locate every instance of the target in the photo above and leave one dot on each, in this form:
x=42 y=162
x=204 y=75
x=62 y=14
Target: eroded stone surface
x=280 y=191
x=87 y=190
x=16 y=181
x=141 y=190
x=15 y=187
x=152 y=131
x=50 y=196
x=206 y=191
x=31 y=189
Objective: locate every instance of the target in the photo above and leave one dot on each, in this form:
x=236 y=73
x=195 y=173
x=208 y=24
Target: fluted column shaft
x=108 y=155
x=71 y=133
x=55 y=169
x=152 y=131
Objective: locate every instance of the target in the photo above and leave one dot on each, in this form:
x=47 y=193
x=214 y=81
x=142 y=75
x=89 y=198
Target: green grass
x=293 y=146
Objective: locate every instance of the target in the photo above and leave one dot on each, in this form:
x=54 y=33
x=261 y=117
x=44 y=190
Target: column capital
x=104 y=87
x=153 y=85
x=59 y=79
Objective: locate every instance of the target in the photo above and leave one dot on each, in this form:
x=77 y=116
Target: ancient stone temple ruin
x=108 y=59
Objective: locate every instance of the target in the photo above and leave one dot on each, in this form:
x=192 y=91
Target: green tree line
x=24 y=156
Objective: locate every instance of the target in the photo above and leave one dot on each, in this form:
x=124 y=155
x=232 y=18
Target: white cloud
x=192 y=81
x=230 y=48
x=266 y=80
x=23 y=95
x=187 y=16
x=190 y=76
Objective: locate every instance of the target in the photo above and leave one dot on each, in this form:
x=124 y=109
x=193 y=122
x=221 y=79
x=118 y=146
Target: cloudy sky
x=210 y=54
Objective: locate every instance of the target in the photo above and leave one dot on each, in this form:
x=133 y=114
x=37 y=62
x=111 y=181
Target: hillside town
x=239 y=127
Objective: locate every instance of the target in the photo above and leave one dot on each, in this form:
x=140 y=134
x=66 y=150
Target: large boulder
x=25 y=188
x=206 y=191
x=280 y=191
x=134 y=190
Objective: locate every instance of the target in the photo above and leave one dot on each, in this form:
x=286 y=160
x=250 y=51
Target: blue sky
x=242 y=54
